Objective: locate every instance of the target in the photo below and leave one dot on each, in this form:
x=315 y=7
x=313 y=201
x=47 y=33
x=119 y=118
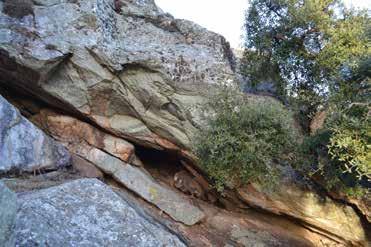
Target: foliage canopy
x=305 y=47
x=317 y=53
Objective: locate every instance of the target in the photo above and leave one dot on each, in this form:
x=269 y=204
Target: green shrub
x=340 y=152
x=350 y=142
x=244 y=137
x=349 y=147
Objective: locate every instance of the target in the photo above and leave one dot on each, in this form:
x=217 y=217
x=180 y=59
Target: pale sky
x=221 y=16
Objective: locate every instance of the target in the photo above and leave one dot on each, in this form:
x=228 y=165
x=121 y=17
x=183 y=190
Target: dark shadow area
x=161 y=164
x=18 y=8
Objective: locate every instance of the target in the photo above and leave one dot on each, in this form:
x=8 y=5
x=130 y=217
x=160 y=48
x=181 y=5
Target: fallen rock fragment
x=140 y=182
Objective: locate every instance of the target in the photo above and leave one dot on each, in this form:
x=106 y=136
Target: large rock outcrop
x=337 y=221
x=123 y=71
x=84 y=212
x=24 y=147
x=134 y=71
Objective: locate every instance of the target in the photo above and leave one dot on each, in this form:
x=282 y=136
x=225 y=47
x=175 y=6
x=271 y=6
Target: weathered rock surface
x=321 y=213
x=84 y=212
x=74 y=132
x=30 y=182
x=85 y=168
x=226 y=228
x=136 y=73
x=24 y=147
x=363 y=204
x=113 y=155
x=145 y=186
x=8 y=210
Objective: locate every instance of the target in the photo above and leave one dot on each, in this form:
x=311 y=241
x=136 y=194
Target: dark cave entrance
x=161 y=164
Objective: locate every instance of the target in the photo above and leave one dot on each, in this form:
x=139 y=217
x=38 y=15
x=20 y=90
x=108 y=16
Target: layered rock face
x=134 y=71
x=335 y=219
x=117 y=158
x=111 y=75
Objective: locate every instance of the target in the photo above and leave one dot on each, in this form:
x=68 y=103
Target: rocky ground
x=62 y=208
x=98 y=103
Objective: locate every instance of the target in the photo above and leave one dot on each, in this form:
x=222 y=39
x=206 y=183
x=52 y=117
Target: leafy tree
x=305 y=47
x=355 y=87
x=342 y=148
x=318 y=54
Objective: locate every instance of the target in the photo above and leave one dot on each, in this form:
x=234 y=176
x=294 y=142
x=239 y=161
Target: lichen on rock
x=24 y=147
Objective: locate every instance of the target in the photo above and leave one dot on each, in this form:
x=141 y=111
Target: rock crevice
x=123 y=74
